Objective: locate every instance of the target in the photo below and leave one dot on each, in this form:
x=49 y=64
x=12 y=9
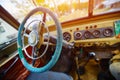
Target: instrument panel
x=99 y=33
x=94 y=33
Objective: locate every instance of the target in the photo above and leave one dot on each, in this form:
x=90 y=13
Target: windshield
x=65 y=10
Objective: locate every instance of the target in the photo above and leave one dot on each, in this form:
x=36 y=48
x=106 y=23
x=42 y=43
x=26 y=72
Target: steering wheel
x=34 y=40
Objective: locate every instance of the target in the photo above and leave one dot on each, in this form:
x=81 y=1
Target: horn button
x=33 y=38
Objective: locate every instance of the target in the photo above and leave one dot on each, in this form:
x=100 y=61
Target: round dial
x=67 y=36
x=96 y=33
x=87 y=34
x=77 y=35
x=108 y=32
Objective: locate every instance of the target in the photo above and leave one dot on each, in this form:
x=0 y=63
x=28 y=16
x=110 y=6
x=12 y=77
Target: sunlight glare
x=83 y=0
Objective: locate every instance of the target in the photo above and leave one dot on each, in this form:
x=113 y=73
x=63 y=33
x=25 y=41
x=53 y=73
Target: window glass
x=8 y=34
x=106 y=6
x=2 y=30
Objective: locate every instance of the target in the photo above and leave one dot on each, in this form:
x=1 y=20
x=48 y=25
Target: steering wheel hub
x=33 y=38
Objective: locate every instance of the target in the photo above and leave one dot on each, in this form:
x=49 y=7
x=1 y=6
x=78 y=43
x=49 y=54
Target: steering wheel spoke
x=26 y=35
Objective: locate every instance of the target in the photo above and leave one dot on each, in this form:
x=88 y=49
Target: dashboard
x=100 y=33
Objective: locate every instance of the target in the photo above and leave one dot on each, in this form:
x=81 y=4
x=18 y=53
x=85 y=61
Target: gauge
x=87 y=34
x=96 y=33
x=108 y=32
x=67 y=36
x=77 y=35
